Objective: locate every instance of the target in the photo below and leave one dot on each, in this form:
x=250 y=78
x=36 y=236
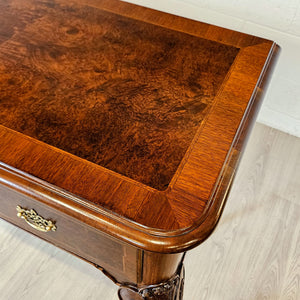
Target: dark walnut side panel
x=118 y=92
x=118 y=259
x=159 y=267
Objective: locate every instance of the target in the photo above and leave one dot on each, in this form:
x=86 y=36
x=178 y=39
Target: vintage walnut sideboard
x=121 y=130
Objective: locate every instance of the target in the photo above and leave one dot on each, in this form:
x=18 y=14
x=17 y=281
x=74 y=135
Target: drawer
x=117 y=258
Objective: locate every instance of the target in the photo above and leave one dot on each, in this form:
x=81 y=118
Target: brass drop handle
x=34 y=220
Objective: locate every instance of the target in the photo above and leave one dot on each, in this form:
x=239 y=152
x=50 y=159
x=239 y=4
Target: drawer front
x=115 y=257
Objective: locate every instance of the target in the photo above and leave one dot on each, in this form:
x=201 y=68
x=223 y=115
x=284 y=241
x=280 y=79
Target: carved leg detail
x=169 y=290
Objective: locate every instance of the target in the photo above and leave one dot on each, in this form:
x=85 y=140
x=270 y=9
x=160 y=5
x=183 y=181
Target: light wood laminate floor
x=253 y=254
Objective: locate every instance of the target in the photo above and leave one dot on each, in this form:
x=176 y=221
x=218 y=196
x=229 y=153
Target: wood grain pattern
x=252 y=255
x=184 y=214
x=112 y=90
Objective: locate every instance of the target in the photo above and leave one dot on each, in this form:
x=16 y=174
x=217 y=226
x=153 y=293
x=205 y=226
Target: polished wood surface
x=253 y=253
x=156 y=219
x=112 y=90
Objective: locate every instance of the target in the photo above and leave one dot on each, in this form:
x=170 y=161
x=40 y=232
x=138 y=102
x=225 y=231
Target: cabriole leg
x=169 y=290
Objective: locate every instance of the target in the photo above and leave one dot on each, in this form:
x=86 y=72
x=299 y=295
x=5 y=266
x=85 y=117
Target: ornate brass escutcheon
x=34 y=220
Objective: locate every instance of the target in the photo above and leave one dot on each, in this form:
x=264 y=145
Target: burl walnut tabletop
x=121 y=129
x=139 y=115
